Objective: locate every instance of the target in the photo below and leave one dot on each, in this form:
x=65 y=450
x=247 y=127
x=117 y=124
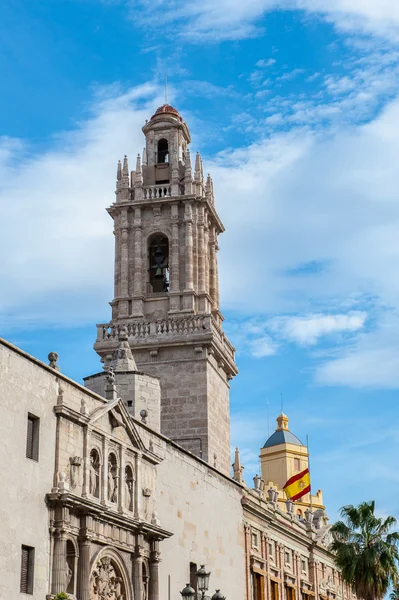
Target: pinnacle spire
x=198 y=163
x=138 y=179
x=238 y=468
x=119 y=171
x=125 y=167
x=123 y=359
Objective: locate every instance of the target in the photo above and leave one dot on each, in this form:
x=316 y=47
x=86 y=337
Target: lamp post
x=188 y=593
x=218 y=596
x=203 y=577
x=203 y=580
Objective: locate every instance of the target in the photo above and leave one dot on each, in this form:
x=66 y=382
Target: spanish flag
x=298 y=485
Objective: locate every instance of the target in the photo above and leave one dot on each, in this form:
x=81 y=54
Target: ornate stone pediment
x=114 y=419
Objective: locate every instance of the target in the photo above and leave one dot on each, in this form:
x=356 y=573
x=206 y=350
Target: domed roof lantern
x=282 y=435
x=166 y=109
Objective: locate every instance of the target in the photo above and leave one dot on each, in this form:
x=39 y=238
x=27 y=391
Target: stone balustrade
x=167 y=328
x=157 y=191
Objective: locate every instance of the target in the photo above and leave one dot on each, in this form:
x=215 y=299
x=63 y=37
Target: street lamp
x=188 y=593
x=203 y=580
x=218 y=596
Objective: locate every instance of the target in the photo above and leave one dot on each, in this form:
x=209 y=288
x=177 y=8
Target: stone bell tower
x=167 y=287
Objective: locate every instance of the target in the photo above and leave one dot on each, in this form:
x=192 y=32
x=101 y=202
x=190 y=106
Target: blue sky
x=294 y=105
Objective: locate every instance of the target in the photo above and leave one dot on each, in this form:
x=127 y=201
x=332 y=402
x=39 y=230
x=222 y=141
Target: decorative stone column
x=212 y=264
x=201 y=251
x=138 y=568
x=121 y=481
x=216 y=272
x=104 y=473
x=174 y=261
x=266 y=541
x=124 y=265
x=247 y=536
x=117 y=258
x=86 y=463
x=84 y=558
x=188 y=220
x=138 y=230
x=59 y=563
x=206 y=256
x=155 y=559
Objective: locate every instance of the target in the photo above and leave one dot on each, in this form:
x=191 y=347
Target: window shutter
x=24 y=569
x=29 y=438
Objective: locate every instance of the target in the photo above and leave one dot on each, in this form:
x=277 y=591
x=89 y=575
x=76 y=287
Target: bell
x=158 y=258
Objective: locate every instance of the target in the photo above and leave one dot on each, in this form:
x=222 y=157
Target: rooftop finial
x=125 y=167
x=119 y=171
x=282 y=422
x=238 y=468
x=53 y=357
x=123 y=359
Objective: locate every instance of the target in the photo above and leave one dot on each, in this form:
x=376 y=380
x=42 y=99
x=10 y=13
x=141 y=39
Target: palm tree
x=365 y=551
x=394 y=595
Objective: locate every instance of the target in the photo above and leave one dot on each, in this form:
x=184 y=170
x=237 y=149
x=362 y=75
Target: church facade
x=120 y=489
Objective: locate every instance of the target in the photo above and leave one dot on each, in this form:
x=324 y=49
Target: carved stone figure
x=128 y=493
x=110 y=376
x=69 y=573
x=112 y=484
x=75 y=462
x=94 y=477
x=105 y=582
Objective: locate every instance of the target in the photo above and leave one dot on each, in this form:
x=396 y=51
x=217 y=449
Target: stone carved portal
x=106 y=582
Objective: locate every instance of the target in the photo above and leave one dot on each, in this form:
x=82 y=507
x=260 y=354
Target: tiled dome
x=166 y=109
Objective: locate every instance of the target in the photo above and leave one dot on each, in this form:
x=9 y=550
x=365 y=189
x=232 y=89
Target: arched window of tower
x=158 y=264
x=163 y=151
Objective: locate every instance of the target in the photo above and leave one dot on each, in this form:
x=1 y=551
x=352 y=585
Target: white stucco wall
x=203 y=510
x=24 y=482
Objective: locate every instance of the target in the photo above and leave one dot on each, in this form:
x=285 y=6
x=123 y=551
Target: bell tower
x=166 y=287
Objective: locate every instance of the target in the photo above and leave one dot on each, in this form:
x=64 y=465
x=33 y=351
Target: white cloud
x=372 y=362
x=263 y=346
x=329 y=199
x=55 y=236
x=266 y=63
x=306 y=330
x=296 y=198
x=232 y=19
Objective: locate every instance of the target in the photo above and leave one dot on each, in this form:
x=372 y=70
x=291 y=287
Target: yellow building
x=283 y=456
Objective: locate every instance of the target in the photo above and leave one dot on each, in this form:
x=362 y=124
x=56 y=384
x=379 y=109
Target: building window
x=288 y=558
x=274 y=590
x=258 y=586
x=193 y=576
x=32 y=437
x=297 y=464
x=255 y=540
x=290 y=593
x=271 y=551
x=304 y=565
x=163 y=151
x=27 y=566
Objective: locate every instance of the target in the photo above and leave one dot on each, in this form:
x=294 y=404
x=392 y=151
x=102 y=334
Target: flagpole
x=310 y=478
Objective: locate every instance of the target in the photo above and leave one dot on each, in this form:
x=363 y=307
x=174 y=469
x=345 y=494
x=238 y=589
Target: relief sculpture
x=105 y=583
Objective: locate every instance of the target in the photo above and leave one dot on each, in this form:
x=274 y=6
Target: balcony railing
x=157 y=191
